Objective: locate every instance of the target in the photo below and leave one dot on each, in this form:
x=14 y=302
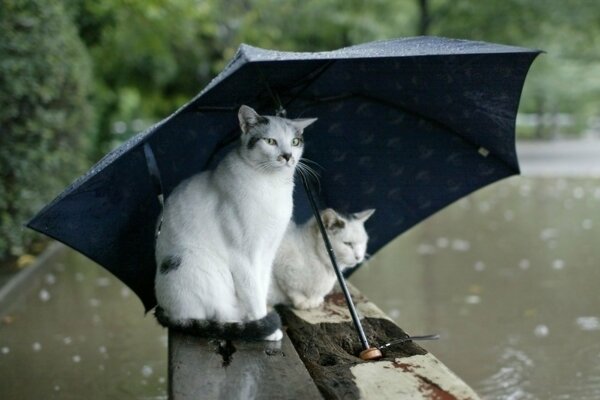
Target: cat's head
x=271 y=143
x=347 y=235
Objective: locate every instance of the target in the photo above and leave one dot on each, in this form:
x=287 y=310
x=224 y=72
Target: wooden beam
x=213 y=369
x=329 y=346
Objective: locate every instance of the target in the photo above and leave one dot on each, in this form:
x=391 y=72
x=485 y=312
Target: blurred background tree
x=45 y=115
x=148 y=57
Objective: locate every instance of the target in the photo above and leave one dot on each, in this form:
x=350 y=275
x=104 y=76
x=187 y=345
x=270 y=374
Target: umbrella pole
x=368 y=353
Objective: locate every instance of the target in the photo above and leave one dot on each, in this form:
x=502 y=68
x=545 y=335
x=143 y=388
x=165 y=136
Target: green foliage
x=44 y=112
x=149 y=57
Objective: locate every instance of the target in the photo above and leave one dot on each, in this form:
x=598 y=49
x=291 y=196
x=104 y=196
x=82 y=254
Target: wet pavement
x=79 y=333
x=510 y=277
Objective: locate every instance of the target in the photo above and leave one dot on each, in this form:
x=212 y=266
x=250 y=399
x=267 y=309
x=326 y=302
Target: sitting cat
x=302 y=271
x=220 y=232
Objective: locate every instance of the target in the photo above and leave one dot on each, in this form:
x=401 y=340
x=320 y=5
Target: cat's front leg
x=251 y=297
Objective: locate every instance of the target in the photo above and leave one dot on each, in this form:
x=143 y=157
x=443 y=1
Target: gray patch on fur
x=170 y=264
x=252 y=142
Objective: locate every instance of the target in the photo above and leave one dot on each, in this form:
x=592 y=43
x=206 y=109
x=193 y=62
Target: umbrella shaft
x=336 y=268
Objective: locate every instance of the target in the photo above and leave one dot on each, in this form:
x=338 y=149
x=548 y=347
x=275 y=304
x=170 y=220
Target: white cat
x=302 y=271
x=221 y=230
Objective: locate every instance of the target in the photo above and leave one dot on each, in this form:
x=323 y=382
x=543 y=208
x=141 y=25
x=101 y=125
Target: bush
x=45 y=74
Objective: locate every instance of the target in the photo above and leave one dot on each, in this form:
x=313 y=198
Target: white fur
x=226 y=225
x=302 y=271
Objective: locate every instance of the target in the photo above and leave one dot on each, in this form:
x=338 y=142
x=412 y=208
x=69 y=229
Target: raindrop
x=94 y=302
x=597 y=194
x=509 y=215
x=588 y=323
x=102 y=349
x=484 y=206
x=578 y=192
x=103 y=282
x=473 y=299
x=56 y=388
x=76 y=358
x=147 y=371
x=36 y=346
x=461 y=245
x=524 y=190
x=479 y=266
x=161 y=379
x=50 y=279
x=541 y=331
x=79 y=277
x=67 y=340
x=394 y=313
x=125 y=292
x=44 y=295
x=558 y=264
x=425 y=249
x=101 y=367
x=524 y=264
x=587 y=224
x=5 y=350
x=442 y=242
x=548 y=233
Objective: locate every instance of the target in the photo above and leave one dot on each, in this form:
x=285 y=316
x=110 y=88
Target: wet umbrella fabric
x=406 y=126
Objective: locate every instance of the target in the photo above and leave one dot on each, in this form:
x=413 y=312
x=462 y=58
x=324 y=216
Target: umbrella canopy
x=405 y=126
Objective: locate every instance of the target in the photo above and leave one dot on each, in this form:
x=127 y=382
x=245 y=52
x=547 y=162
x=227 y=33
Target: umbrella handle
x=368 y=353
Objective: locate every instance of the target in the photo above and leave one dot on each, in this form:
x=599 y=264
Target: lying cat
x=220 y=232
x=302 y=271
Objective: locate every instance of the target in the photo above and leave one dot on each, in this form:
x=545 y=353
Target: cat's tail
x=251 y=330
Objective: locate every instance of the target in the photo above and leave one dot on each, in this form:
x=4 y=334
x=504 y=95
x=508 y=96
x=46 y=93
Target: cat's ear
x=332 y=220
x=249 y=118
x=302 y=123
x=363 y=215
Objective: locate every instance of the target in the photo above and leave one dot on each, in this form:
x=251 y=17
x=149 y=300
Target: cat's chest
x=269 y=203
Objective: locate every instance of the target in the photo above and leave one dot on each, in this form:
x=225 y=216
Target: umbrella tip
x=370 y=354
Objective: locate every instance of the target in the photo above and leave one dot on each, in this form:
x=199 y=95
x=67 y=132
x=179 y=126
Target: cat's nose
x=286 y=156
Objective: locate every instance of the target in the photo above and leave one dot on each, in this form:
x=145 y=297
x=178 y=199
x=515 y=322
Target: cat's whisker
x=312 y=162
x=309 y=170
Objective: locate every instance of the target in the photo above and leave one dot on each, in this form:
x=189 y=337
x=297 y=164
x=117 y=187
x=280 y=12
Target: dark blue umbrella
x=405 y=126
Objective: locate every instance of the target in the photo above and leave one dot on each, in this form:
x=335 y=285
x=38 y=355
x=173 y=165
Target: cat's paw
x=275 y=336
x=307 y=304
x=315 y=302
x=302 y=304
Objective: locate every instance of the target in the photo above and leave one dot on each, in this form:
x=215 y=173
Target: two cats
x=221 y=233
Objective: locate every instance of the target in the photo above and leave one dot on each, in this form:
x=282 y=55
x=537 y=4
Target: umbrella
x=406 y=126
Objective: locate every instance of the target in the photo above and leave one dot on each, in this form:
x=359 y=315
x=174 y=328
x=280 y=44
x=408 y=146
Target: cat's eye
x=296 y=141
x=349 y=244
x=270 y=141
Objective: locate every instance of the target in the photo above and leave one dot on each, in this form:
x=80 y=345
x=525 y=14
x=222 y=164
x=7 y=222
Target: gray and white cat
x=302 y=271
x=220 y=232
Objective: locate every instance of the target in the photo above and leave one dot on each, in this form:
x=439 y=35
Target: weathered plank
x=327 y=343
x=212 y=369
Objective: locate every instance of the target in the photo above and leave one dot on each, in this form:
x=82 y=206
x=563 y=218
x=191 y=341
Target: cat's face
x=271 y=143
x=347 y=235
